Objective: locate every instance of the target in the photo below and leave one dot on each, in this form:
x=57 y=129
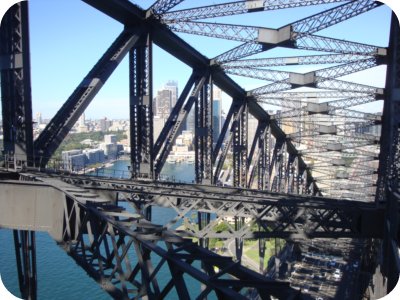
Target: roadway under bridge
x=316 y=170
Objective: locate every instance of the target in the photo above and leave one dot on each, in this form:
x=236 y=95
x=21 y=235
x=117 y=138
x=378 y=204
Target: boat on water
x=171 y=160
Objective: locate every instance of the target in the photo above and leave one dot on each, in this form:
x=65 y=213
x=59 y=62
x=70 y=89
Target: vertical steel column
x=389 y=160
x=269 y=144
x=240 y=149
x=16 y=84
x=275 y=166
x=17 y=124
x=203 y=150
x=203 y=219
x=255 y=156
x=301 y=178
x=290 y=174
x=239 y=223
x=282 y=170
x=240 y=166
x=25 y=252
x=203 y=134
x=263 y=160
x=141 y=110
x=262 y=242
x=262 y=174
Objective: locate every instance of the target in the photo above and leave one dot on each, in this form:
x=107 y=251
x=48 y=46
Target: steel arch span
x=299 y=131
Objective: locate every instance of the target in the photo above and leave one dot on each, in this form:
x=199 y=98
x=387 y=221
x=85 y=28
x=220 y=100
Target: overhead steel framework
x=317 y=143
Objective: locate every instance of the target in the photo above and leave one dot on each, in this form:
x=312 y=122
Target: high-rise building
x=252 y=124
x=172 y=86
x=82 y=120
x=104 y=124
x=82 y=127
x=163 y=103
x=190 y=122
x=39 y=118
x=110 y=139
x=158 y=125
x=166 y=99
x=216 y=113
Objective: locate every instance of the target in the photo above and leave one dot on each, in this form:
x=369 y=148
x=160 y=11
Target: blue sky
x=68 y=37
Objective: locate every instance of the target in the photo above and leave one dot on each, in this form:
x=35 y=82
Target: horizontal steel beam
x=279 y=215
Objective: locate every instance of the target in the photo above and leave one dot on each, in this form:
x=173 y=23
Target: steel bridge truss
x=305 y=120
x=148 y=157
x=269 y=215
x=286 y=155
x=128 y=255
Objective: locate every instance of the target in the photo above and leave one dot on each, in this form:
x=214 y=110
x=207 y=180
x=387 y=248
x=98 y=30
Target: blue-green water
x=59 y=277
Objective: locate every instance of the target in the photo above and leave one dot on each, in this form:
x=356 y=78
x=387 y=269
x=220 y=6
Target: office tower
x=39 y=118
x=216 y=113
x=172 y=86
x=165 y=99
x=104 y=124
x=163 y=103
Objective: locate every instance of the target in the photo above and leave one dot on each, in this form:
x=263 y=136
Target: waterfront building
x=73 y=160
x=110 y=150
x=110 y=139
x=94 y=156
x=77 y=162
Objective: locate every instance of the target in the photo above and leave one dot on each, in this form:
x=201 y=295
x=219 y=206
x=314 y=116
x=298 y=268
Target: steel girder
x=296 y=29
x=387 y=193
x=16 y=85
x=237 y=7
x=233 y=90
x=297 y=60
x=254 y=158
x=141 y=108
x=162 y=6
x=289 y=216
x=54 y=133
x=124 y=253
x=18 y=127
x=389 y=154
x=203 y=133
x=306 y=42
x=130 y=15
x=312 y=79
x=239 y=148
x=294 y=78
x=25 y=252
x=298 y=34
x=263 y=162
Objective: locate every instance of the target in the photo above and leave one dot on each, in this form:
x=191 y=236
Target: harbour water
x=59 y=277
